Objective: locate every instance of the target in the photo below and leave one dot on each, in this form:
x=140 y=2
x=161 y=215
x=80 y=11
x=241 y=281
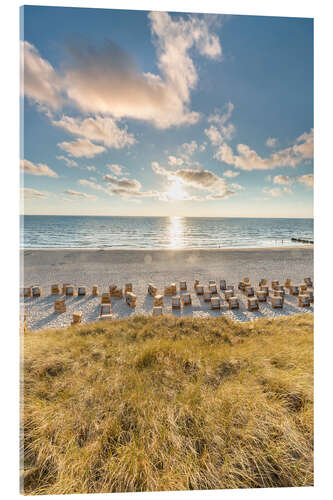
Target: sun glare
x=176 y=191
x=176 y=232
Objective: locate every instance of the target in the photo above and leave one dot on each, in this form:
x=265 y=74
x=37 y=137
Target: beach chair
x=293 y=290
x=106 y=298
x=157 y=311
x=261 y=296
x=212 y=287
x=69 y=291
x=60 y=306
x=252 y=304
x=95 y=290
x=183 y=286
x=117 y=293
x=170 y=290
x=309 y=293
x=233 y=303
x=264 y=288
x=128 y=287
x=77 y=316
x=186 y=299
x=130 y=299
x=287 y=283
x=175 y=302
x=223 y=285
x=249 y=291
x=81 y=291
x=241 y=285
x=274 y=283
x=278 y=293
x=303 y=300
x=207 y=295
x=26 y=292
x=158 y=301
x=228 y=294
x=55 y=289
x=231 y=287
x=36 y=291
x=308 y=281
x=106 y=312
x=64 y=285
x=112 y=289
x=246 y=280
x=302 y=287
x=262 y=282
x=199 y=289
x=152 y=290
x=215 y=303
x=277 y=302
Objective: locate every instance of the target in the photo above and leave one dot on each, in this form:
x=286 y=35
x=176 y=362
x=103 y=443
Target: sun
x=176 y=191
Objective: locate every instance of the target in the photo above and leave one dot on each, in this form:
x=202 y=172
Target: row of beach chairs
x=209 y=292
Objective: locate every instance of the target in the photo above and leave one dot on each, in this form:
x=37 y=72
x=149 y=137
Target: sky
x=161 y=114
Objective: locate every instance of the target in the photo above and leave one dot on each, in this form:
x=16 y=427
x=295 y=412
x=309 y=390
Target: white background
x=322 y=11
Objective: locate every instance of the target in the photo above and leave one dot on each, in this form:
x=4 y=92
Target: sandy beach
x=88 y=267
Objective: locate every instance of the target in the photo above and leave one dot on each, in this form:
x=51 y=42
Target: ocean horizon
x=154 y=232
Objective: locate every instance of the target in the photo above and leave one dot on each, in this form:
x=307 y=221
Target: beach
x=103 y=267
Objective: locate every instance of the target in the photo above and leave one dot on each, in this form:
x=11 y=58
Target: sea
x=55 y=231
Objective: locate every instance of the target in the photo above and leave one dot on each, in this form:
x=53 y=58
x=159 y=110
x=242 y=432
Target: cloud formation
x=248 y=159
x=271 y=142
x=128 y=188
x=175 y=162
x=230 y=174
x=28 y=167
x=81 y=148
x=79 y=194
x=121 y=90
x=222 y=131
x=116 y=169
x=68 y=161
x=33 y=194
x=306 y=179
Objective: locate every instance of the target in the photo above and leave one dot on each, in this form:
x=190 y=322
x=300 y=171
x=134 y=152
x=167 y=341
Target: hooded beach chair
x=158 y=300
x=82 y=291
x=233 y=303
x=293 y=290
x=157 y=311
x=69 y=290
x=94 y=290
x=26 y=292
x=207 y=295
x=36 y=291
x=77 y=316
x=303 y=300
x=183 y=286
x=212 y=287
x=277 y=302
x=170 y=290
x=228 y=294
x=60 y=306
x=106 y=298
x=223 y=285
x=106 y=312
x=175 y=302
x=55 y=289
x=128 y=287
x=199 y=289
x=249 y=291
x=252 y=304
x=186 y=299
x=130 y=299
x=261 y=295
x=152 y=290
x=309 y=293
x=215 y=303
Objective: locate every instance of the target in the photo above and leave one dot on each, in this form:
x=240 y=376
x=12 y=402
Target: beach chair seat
x=60 y=306
x=128 y=287
x=231 y=287
x=293 y=290
x=249 y=291
x=274 y=283
x=252 y=304
x=175 y=302
x=302 y=287
x=36 y=291
x=223 y=285
x=215 y=303
x=279 y=287
x=106 y=312
x=261 y=295
x=308 y=281
x=303 y=300
x=77 y=316
x=241 y=285
x=55 y=289
x=199 y=289
x=186 y=299
x=233 y=303
x=130 y=299
x=118 y=293
x=277 y=302
x=278 y=293
x=309 y=293
x=69 y=290
x=82 y=291
x=264 y=288
x=212 y=287
x=95 y=290
x=26 y=292
x=262 y=282
x=287 y=283
x=182 y=286
x=158 y=300
x=157 y=311
x=106 y=298
x=170 y=290
x=196 y=283
x=228 y=294
x=64 y=285
x=207 y=295
x=152 y=290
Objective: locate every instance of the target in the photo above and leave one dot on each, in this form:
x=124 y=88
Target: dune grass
x=146 y=404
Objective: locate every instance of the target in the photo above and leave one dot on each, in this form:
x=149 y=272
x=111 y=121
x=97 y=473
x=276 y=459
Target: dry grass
x=145 y=404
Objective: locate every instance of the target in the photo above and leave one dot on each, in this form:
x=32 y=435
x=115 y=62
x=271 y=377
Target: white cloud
x=81 y=148
x=202 y=147
x=79 y=194
x=128 y=188
x=283 y=179
x=106 y=80
x=230 y=174
x=33 y=194
x=275 y=192
x=222 y=131
x=69 y=163
x=40 y=82
x=306 y=179
x=91 y=168
x=287 y=190
x=116 y=169
x=271 y=142
x=175 y=162
x=37 y=169
x=98 y=129
x=188 y=148
x=248 y=159
x=234 y=185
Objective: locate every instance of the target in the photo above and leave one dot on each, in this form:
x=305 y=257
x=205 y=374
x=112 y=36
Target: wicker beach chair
x=207 y=295
x=69 y=290
x=152 y=290
x=36 y=291
x=77 y=317
x=309 y=293
x=55 y=289
x=215 y=303
x=130 y=299
x=199 y=289
x=261 y=295
x=106 y=298
x=26 y=292
x=275 y=283
x=81 y=291
x=277 y=302
x=95 y=290
x=157 y=311
x=158 y=300
x=262 y=282
x=293 y=290
x=249 y=291
x=170 y=290
x=60 y=305
x=175 y=302
x=186 y=299
x=128 y=287
x=106 y=312
x=303 y=300
x=183 y=286
x=223 y=285
x=252 y=304
x=233 y=303
x=212 y=287
x=228 y=294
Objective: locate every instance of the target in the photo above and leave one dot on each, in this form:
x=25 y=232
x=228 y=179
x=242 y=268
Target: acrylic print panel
x=172 y=152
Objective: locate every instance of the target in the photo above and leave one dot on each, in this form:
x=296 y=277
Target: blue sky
x=138 y=113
